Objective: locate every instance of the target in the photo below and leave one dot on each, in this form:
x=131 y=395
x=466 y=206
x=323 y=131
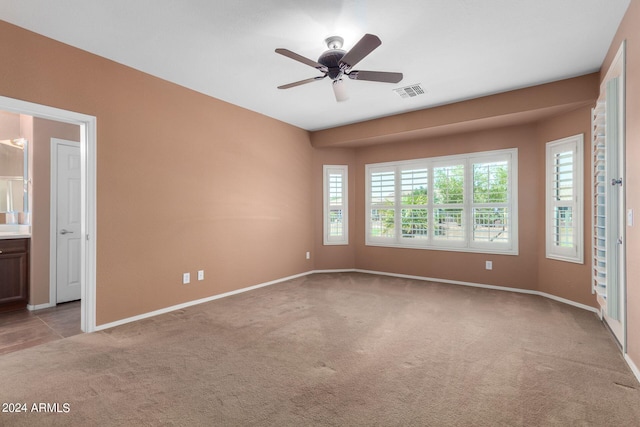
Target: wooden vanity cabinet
x=14 y=274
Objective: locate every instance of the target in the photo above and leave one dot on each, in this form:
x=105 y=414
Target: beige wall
x=185 y=182
x=543 y=116
x=628 y=31
x=334 y=256
x=508 y=270
x=11 y=158
x=565 y=279
x=9 y=126
x=43 y=131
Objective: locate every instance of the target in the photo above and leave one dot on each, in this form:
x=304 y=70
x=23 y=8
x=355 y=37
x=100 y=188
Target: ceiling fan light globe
x=339 y=90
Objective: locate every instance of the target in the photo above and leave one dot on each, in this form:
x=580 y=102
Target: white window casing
x=433 y=203
x=336 y=204
x=564 y=213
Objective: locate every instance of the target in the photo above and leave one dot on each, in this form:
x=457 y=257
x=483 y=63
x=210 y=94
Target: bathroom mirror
x=13 y=176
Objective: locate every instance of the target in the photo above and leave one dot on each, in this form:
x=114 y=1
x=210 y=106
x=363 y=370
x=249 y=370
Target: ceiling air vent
x=410 y=91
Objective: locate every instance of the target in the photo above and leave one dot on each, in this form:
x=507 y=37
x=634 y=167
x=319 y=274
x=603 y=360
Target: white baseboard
x=346 y=270
x=39 y=306
x=195 y=302
x=633 y=367
x=480 y=285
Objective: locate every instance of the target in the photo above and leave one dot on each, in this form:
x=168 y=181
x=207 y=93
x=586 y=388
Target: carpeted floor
x=343 y=349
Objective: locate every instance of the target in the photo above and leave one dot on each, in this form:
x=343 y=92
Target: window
x=336 y=220
x=490 y=204
x=464 y=203
x=564 y=216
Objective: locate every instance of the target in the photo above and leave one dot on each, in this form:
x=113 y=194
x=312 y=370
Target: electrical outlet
x=186 y=278
x=200 y=274
x=308 y=255
x=489 y=265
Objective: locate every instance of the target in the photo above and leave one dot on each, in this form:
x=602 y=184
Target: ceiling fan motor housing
x=331 y=59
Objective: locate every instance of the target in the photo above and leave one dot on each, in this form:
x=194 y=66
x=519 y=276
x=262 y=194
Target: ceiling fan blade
x=364 y=47
x=301 y=82
x=375 y=76
x=300 y=58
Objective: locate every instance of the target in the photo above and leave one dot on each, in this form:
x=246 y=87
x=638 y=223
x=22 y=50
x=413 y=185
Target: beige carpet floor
x=344 y=349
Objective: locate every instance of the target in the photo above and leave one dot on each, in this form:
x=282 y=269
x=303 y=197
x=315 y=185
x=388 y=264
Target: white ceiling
x=456 y=49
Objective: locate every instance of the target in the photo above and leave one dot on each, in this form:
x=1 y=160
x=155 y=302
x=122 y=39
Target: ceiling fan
x=337 y=63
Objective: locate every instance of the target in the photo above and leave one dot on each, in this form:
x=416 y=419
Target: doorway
x=87 y=219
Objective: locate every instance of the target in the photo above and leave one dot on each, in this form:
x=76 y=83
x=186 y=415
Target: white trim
x=39 y=306
x=480 y=285
x=343 y=171
x=575 y=254
x=432 y=241
x=346 y=270
x=633 y=366
x=88 y=147
x=195 y=302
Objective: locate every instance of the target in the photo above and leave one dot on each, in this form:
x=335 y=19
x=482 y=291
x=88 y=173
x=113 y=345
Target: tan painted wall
x=43 y=131
x=629 y=30
x=11 y=158
x=512 y=271
x=9 y=125
x=185 y=182
x=530 y=269
x=334 y=256
x=565 y=279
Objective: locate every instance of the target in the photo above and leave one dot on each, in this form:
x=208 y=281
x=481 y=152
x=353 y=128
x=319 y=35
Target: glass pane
x=563 y=228
x=448 y=184
x=448 y=224
x=336 y=192
x=382 y=187
x=382 y=223
x=490 y=182
x=414 y=187
x=414 y=223
x=336 y=224
x=563 y=175
x=491 y=225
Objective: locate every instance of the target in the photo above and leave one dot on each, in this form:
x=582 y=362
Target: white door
x=66 y=155
x=615 y=314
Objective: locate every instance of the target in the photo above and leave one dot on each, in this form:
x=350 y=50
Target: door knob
x=63 y=231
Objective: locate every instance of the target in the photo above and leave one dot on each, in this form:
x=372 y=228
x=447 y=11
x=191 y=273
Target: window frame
x=574 y=254
x=466 y=244
x=327 y=171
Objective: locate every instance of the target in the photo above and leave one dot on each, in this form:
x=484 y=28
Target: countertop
x=4 y=235
x=15 y=231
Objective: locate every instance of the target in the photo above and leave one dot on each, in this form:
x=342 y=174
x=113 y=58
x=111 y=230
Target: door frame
x=88 y=188
x=53 y=221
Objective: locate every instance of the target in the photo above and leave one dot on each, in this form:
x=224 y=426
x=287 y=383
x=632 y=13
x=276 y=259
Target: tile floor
x=23 y=328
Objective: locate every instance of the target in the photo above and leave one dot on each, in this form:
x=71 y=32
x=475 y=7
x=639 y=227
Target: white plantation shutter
x=605 y=146
x=464 y=203
x=414 y=215
x=336 y=218
x=382 y=205
x=564 y=207
x=449 y=204
x=493 y=204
